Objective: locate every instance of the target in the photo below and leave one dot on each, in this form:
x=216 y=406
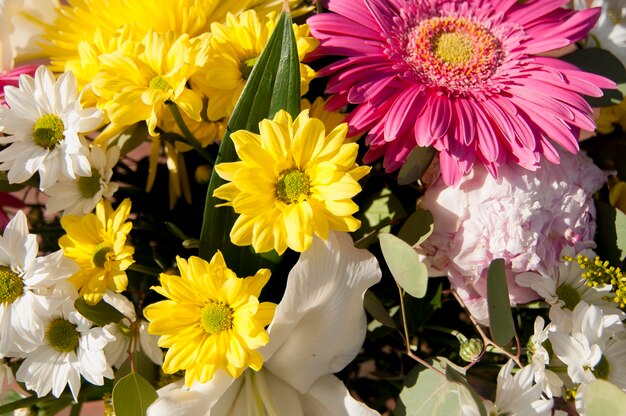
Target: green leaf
x=601 y=62
x=428 y=393
x=132 y=138
x=603 y=398
x=416 y=164
x=500 y=316
x=374 y=307
x=610 y=233
x=274 y=84
x=143 y=366
x=132 y=395
x=417 y=228
x=101 y=313
x=454 y=376
x=405 y=265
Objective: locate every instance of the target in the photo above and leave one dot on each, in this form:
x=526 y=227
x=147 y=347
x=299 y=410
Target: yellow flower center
x=62 y=335
x=158 y=83
x=569 y=296
x=102 y=255
x=88 y=186
x=246 y=67
x=216 y=317
x=48 y=131
x=11 y=285
x=453 y=47
x=292 y=186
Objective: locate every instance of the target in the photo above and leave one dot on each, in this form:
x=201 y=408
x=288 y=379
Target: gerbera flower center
x=569 y=296
x=158 y=83
x=62 y=335
x=102 y=254
x=48 y=131
x=11 y=285
x=454 y=53
x=602 y=369
x=292 y=186
x=88 y=186
x=246 y=67
x=216 y=317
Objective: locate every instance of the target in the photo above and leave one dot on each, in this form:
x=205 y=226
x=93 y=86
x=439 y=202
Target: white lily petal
x=320 y=324
x=330 y=397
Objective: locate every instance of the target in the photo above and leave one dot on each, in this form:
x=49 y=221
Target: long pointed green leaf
x=274 y=84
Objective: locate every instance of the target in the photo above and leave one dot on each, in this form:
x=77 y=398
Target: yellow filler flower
x=294 y=180
x=211 y=319
x=97 y=242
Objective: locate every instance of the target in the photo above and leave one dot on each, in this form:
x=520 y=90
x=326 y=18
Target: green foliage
x=428 y=393
x=603 y=398
x=610 y=233
x=500 y=316
x=405 y=265
x=273 y=84
x=132 y=395
x=417 y=228
x=101 y=313
x=416 y=164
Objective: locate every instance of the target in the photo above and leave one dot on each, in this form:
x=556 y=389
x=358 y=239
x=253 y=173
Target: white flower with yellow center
x=43 y=127
x=25 y=281
x=318 y=328
x=71 y=348
x=79 y=196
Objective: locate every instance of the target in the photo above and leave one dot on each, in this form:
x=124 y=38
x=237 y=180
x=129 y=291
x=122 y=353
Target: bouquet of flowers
x=341 y=207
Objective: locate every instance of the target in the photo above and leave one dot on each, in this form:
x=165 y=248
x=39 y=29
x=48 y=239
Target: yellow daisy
x=135 y=88
x=611 y=116
x=97 y=242
x=84 y=29
x=211 y=319
x=235 y=47
x=331 y=119
x=294 y=180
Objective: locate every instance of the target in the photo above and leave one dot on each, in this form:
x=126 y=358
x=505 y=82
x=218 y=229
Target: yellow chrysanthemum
x=97 y=242
x=294 y=180
x=235 y=48
x=611 y=116
x=135 y=88
x=211 y=319
x=331 y=119
x=93 y=26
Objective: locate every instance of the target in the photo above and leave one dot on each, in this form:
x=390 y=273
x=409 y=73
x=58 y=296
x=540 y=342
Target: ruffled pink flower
x=524 y=217
x=464 y=76
x=12 y=78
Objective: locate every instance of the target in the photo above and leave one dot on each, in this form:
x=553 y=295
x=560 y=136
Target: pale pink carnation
x=524 y=217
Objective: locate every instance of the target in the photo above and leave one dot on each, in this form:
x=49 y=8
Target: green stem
x=26 y=402
x=188 y=136
x=144 y=269
x=75 y=411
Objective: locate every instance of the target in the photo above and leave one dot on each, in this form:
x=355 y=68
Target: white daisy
x=564 y=286
x=25 y=281
x=517 y=395
x=539 y=357
x=79 y=196
x=43 y=128
x=71 y=348
x=117 y=351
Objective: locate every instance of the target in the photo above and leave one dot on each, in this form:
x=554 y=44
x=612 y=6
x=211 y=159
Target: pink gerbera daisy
x=465 y=76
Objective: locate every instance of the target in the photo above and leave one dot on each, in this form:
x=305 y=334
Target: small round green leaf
x=603 y=398
x=405 y=265
x=132 y=395
x=417 y=228
x=500 y=316
x=428 y=393
x=416 y=164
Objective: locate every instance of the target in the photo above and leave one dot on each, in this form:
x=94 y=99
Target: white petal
x=320 y=324
x=121 y=303
x=329 y=397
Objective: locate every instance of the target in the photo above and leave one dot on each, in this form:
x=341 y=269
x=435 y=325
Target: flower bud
x=470 y=350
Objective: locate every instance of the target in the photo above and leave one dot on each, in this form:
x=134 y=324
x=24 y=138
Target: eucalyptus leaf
x=378 y=311
x=416 y=164
x=500 y=316
x=101 y=313
x=603 y=398
x=428 y=393
x=271 y=86
x=405 y=265
x=602 y=62
x=142 y=365
x=132 y=395
x=610 y=233
x=455 y=376
x=132 y=138
x=417 y=228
